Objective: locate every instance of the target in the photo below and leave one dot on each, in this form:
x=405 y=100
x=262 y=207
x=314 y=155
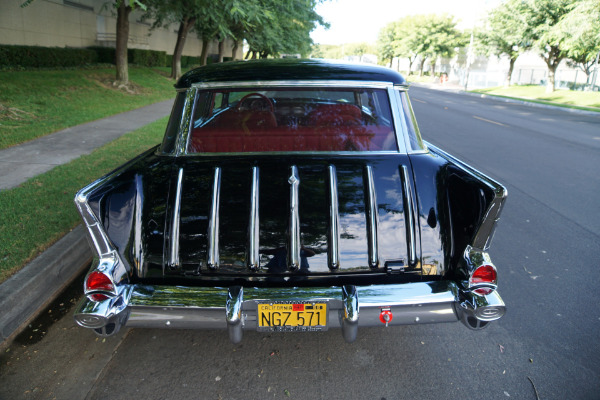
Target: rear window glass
x=291 y=119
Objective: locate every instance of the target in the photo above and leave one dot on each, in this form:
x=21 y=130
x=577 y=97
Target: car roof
x=288 y=70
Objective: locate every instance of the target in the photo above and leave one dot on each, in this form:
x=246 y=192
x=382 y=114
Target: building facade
x=84 y=23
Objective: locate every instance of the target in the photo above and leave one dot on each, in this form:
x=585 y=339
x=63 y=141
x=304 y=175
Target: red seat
x=335 y=114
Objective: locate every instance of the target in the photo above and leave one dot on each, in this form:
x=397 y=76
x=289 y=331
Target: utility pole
x=469 y=59
x=595 y=71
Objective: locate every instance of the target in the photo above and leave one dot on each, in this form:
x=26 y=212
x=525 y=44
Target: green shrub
x=147 y=58
x=106 y=55
x=45 y=57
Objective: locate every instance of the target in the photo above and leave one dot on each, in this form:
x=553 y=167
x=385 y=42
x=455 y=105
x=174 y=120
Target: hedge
x=106 y=55
x=186 y=61
x=147 y=58
x=45 y=57
x=52 y=57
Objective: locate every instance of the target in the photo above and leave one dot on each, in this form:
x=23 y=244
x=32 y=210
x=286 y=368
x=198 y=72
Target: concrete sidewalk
x=19 y=163
x=24 y=295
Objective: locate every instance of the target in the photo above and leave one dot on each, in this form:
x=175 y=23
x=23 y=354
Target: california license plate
x=292 y=316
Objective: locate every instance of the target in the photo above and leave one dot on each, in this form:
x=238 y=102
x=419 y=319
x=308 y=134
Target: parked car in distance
x=290 y=195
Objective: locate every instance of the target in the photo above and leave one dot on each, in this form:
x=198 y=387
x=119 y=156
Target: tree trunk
x=204 y=54
x=511 y=67
x=410 y=64
x=184 y=28
x=234 y=49
x=433 y=62
x=421 y=66
x=254 y=53
x=551 y=78
x=221 y=50
x=552 y=61
x=121 y=45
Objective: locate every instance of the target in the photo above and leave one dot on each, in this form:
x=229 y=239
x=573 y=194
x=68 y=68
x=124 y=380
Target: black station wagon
x=290 y=195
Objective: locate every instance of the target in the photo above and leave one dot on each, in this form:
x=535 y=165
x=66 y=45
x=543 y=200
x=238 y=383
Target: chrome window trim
x=185 y=126
x=306 y=153
x=393 y=97
x=399 y=123
x=406 y=141
x=304 y=83
x=415 y=127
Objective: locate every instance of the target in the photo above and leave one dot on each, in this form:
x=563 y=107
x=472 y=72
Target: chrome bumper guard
x=235 y=308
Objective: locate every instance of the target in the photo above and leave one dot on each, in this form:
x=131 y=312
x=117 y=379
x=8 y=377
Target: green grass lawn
x=36 y=103
x=39 y=212
x=567 y=98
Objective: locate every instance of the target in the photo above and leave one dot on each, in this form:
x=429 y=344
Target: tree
x=288 y=31
x=329 y=51
x=582 y=27
x=358 y=49
x=545 y=33
x=242 y=18
x=124 y=8
x=441 y=38
x=410 y=40
x=505 y=33
x=185 y=13
x=385 y=48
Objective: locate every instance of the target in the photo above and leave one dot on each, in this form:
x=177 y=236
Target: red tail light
x=97 y=281
x=485 y=274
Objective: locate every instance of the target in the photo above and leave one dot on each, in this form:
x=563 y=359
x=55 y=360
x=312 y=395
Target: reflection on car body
x=291 y=182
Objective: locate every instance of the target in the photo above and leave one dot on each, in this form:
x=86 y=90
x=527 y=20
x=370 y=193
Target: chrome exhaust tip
x=476 y=311
x=105 y=317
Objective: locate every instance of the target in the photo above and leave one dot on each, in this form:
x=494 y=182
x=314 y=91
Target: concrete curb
x=34 y=287
x=505 y=100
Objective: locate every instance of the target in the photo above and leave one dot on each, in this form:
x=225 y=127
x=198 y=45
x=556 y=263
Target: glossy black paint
x=452 y=204
x=137 y=206
x=288 y=70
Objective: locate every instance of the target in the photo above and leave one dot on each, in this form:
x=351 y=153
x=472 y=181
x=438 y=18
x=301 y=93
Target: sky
x=360 y=20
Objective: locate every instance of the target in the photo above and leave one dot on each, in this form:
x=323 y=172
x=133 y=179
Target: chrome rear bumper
x=235 y=308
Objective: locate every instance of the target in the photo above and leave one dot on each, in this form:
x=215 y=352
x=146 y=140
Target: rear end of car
x=286 y=205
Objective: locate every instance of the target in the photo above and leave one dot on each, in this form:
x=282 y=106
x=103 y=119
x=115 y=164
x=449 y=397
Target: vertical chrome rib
x=213 y=223
x=372 y=218
x=293 y=253
x=333 y=251
x=138 y=246
x=408 y=209
x=174 y=244
x=253 y=259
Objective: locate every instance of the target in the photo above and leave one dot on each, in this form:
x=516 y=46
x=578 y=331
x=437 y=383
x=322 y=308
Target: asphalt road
x=547 y=249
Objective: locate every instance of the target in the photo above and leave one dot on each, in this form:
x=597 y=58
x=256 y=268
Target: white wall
x=83 y=23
